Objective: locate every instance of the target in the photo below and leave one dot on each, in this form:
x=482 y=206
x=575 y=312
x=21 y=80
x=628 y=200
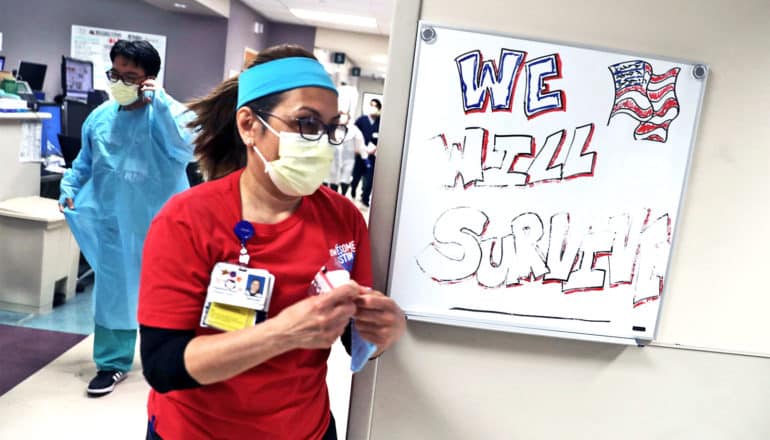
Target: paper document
x=31 y=138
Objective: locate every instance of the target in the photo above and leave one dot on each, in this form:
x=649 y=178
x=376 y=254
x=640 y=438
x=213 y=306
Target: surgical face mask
x=302 y=165
x=374 y=111
x=123 y=94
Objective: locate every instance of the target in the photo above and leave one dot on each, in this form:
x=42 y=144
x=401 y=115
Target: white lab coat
x=344 y=156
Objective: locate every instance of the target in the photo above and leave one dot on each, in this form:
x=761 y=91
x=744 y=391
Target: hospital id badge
x=237 y=297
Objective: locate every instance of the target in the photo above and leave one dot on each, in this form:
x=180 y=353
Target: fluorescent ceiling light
x=180 y=5
x=330 y=17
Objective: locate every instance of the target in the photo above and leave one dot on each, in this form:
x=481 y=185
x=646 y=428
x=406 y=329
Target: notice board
x=94 y=44
x=541 y=185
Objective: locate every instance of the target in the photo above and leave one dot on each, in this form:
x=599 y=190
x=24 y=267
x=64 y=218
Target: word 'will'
x=514 y=159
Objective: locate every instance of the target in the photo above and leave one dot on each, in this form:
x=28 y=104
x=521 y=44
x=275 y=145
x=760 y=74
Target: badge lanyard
x=244 y=231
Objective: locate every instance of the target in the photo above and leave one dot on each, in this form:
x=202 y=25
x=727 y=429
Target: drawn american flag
x=646 y=97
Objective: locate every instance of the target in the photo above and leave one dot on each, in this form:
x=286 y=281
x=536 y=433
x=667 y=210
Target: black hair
x=140 y=52
x=376 y=103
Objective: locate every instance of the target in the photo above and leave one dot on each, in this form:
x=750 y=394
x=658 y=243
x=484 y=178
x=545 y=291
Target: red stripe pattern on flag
x=647 y=97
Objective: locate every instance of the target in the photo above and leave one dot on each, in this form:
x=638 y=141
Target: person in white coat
x=341 y=172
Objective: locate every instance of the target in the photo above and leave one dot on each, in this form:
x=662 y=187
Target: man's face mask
x=302 y=165
x=123 y=94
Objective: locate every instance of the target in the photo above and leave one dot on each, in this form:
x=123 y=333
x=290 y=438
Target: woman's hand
x=313 y=323
x=379 y=319
x=317 y=321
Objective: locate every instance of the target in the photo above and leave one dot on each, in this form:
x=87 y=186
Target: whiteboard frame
x=495 y=326
x=482 y=324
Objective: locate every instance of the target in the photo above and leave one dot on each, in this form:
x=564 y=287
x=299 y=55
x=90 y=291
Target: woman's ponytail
x=218 y=147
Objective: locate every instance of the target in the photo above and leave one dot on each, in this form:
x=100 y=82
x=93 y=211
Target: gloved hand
x=68 y=202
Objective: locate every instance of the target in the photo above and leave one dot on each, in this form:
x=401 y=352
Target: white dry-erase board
x=541 y=185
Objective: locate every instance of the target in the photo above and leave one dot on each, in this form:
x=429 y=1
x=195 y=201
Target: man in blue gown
x=135 y=149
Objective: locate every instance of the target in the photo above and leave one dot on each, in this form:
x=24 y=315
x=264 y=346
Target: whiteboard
x=94 y=44
x=541 y=185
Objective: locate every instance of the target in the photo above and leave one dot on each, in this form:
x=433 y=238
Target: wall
x=358 y=46
x=280 y=33
x=456 y=383
x=370 y=85
x=240 y=35
x=40 y=31
x=339 y=72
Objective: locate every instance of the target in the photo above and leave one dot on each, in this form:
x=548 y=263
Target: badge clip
x=244 y=231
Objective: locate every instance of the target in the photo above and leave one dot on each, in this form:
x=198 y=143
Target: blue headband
x=281 y=75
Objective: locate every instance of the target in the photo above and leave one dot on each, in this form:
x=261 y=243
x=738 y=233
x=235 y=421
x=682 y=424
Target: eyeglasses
x=312 y=128
x=127 y=79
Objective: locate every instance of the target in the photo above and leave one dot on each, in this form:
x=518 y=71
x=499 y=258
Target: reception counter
x=18 y=179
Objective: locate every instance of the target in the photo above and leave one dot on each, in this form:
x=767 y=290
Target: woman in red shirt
x=263 y=143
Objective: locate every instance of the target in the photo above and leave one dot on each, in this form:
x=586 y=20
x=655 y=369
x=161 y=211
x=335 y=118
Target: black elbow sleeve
x=162 y=352
x=346 y=338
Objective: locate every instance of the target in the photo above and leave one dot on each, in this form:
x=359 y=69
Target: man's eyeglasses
x=127 y=79
x=312 y=128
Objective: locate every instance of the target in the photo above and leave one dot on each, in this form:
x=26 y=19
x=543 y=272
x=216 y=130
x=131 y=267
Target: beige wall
x=445 y=382
x=367 y=85
x=358 y=46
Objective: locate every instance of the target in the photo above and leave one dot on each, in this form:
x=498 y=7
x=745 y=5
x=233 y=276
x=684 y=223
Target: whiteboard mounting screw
x=428 y=34
x=699 y=71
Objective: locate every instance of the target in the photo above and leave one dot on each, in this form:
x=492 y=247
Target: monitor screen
x=32 y=73
x=2 y=62
x=77 y=77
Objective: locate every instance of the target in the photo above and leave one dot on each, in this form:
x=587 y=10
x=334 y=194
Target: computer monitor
x=2 y=62
x=77 y=78
x=51 y=129
x=32 y=73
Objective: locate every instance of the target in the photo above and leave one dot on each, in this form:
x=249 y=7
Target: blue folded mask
x=360 y=349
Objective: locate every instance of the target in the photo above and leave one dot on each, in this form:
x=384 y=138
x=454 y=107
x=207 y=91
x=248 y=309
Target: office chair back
x=70 y=147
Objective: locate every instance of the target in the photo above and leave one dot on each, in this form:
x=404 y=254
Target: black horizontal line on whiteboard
x=465 y=309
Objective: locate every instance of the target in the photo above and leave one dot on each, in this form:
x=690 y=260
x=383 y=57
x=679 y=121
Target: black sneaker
x=104 y=382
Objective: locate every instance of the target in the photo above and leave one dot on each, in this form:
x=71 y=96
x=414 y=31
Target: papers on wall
x=94 y=44
x=31 y=137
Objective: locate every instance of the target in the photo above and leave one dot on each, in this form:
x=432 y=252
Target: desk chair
x=70 y=147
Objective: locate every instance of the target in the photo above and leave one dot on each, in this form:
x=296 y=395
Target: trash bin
x=38 y=255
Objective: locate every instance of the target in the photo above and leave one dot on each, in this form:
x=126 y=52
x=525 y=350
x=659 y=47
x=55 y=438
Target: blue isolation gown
x=130 y=164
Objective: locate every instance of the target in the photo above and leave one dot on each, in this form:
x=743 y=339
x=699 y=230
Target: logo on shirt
x=345 y=254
